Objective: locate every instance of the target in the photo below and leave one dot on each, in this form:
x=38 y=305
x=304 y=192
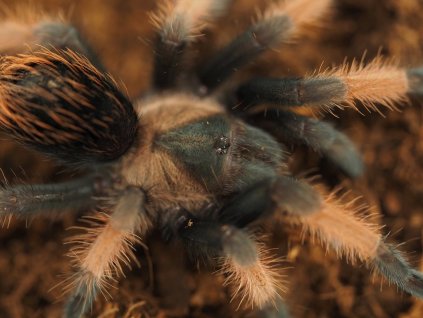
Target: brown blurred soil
x=32 y=254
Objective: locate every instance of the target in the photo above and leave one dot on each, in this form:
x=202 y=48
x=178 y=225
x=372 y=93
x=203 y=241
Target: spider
x=195 y=157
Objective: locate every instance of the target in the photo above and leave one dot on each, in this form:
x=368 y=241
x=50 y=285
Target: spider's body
x=200 y=165
x=197 y=150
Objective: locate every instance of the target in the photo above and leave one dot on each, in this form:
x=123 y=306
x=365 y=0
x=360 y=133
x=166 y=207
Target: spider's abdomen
x=59 y=104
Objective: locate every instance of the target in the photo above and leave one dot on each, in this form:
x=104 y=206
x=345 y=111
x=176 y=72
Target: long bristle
x=378 y=83
x=340 y=227
x=101 y=252
x=66 y=107
x=257 y=283
x=29 y=14
x=18 y=27
x=300 y=12
x=186 y=17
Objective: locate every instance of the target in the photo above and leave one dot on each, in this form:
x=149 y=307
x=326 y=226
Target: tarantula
x=201 y=160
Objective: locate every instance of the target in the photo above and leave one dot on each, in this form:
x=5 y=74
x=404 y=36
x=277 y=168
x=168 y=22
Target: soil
x=32 y=253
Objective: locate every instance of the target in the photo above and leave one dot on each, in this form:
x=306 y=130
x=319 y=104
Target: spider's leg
x=61 y=105
x=286 y=194
x=321 y=136
x=179 y=23
x=334 y=224
x=31 y=34
x=31 y=200
x=339 y=227
x=311 y=91
x=378 y=83
x=102 y=251
x=277 y=25
x=277 y=310
x=250 y=270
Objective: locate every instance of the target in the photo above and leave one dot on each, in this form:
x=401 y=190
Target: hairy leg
x=266 y=101
x=377 y=84
x=277 y=310
x=333 y=223
x=250 y=270
x=277 y=25
x=179 y=23
x=31 y=200
x=320 y=136
x=24 y=33
x=100 y=253
x=288 y=195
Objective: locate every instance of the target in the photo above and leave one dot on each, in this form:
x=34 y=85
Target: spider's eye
x=222 y=145
x=63 y=106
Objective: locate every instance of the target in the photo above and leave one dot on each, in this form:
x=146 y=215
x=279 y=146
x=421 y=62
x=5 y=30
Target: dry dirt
x=32 y=255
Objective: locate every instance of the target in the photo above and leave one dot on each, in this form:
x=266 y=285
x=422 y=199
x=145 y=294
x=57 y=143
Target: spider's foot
x=394 y=267
x=80 y=302
x=415 y=81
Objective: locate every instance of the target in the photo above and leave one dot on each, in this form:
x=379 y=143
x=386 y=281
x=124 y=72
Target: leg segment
x=286 y=194
x=31 y=200
x=375 y=84
x=292 y=91
x=249 y=269
x=178 y=24
x=102 y=250
x=339 y=227
x=24 y=36
x=335 y=225
x=275 y=26
x=321 y=136
x=64 y=36
x=277 y=310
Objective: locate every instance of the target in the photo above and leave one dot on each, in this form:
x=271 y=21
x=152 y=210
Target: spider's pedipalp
x=320 y=136
x=272 y=29
x=31 y=200
x=61 y=105
x=250 y=270
x=179 y=23
x=101 y=251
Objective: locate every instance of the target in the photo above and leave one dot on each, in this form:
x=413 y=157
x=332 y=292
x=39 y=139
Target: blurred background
x=32 y=254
